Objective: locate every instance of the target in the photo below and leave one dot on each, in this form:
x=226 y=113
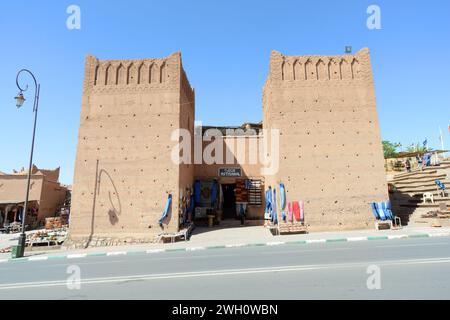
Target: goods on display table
x=47 y=237
x=56 y=222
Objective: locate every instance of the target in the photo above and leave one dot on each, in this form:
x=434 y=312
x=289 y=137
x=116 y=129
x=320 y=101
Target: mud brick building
x=47 y=195
x=330 y=153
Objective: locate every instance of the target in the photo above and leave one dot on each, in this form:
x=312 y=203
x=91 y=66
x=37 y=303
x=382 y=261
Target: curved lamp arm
x=26 y=88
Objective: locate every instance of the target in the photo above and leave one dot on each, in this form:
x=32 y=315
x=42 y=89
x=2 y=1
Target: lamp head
x=20 y=99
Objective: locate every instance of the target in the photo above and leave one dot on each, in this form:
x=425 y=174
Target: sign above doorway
x=230 y=172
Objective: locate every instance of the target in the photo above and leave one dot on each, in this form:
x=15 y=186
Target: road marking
x=112 y=261
x=305 y=250
x=213 y=273
x=273 y=243
x=414 y=245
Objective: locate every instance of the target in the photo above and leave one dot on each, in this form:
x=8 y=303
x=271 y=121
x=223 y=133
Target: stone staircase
x=407 y=199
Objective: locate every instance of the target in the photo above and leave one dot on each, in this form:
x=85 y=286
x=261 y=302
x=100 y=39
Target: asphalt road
x=408 y=269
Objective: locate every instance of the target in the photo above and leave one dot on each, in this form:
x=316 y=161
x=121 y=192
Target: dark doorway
x=10 y=216
x=229 y=201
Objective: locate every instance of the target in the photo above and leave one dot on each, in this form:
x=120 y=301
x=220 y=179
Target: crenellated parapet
x=132 y=75
x=327 y=70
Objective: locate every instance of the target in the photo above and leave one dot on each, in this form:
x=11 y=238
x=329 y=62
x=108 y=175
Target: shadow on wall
x=114 y=212
x=397 y=199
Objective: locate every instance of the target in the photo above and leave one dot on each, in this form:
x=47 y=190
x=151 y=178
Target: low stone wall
x=84 y=242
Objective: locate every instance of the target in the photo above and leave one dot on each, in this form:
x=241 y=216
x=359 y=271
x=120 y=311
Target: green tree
x=416 y=147
x=390 y=149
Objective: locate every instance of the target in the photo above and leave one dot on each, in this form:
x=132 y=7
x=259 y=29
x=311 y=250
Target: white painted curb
x=116 y=253
x=356 y=239
x=398 y=236
x=195 y=248
x=155 y=250
x=275 y=243
x=76 y=255
x=316 y=241
x=235 y=245
x=37 y=258
x=443 y=234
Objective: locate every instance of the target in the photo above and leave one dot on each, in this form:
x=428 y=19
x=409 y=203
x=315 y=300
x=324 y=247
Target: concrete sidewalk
x=214 y=238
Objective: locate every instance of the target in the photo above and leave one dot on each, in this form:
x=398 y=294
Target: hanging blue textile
x=274 y=207
x=197 y=192
x=213 y=193
x=268 y=208
x=166 y=210
x=283 y=201
x=19 y=215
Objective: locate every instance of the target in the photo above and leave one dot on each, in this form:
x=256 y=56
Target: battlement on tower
x=325 y=70
x=135 y=74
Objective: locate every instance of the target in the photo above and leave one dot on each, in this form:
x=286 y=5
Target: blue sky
x=225 y=48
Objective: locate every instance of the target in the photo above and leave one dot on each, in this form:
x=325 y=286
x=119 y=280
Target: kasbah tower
x=330 y=153
x=330 y=144
x=124 y=171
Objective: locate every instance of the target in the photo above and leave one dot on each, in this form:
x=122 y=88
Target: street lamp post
x=19 y=103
